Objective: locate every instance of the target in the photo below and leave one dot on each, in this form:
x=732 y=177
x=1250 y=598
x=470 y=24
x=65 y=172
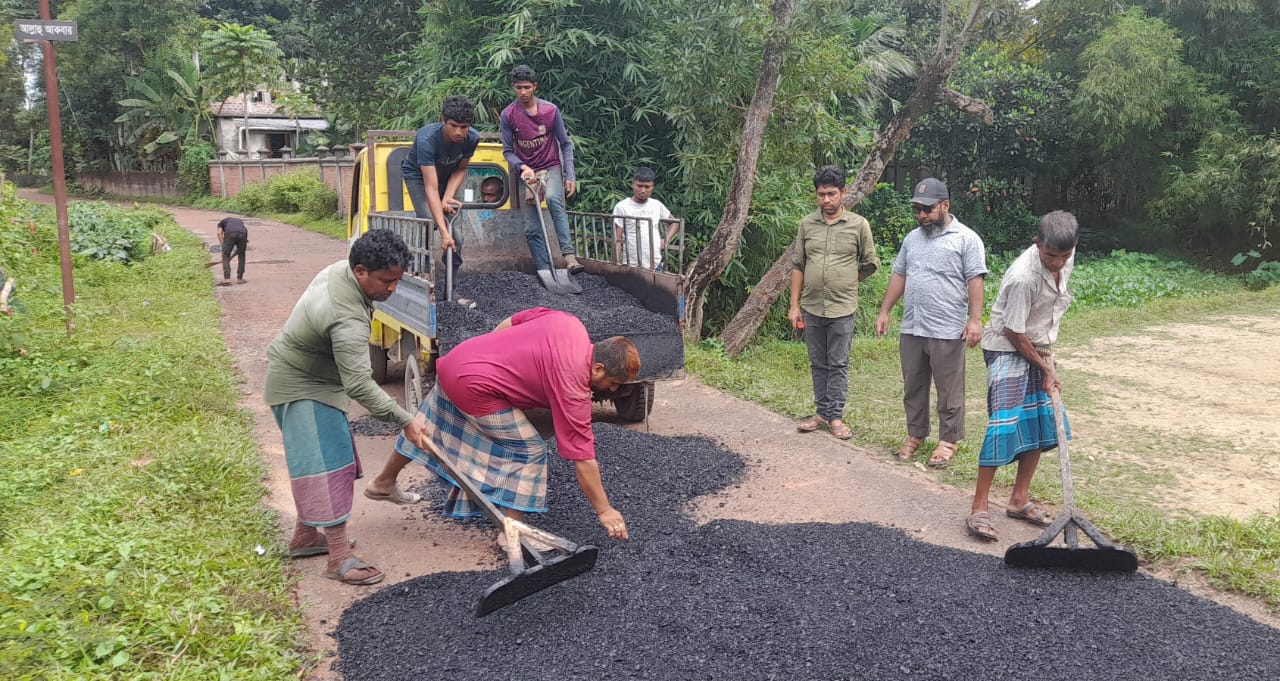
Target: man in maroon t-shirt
x=534 y=140
x=536 y=359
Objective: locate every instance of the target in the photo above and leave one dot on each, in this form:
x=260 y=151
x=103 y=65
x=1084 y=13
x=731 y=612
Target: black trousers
x=233 y=243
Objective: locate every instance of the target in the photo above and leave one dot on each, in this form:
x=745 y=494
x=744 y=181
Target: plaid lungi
x=501 y=453
x=322 y=460
x=1020 y=411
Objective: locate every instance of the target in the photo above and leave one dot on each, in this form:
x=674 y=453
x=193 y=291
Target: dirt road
x=822 y=478
x=818 y=477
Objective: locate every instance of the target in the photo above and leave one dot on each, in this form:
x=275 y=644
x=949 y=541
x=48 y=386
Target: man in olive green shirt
x=834 y=251
x=315 y=367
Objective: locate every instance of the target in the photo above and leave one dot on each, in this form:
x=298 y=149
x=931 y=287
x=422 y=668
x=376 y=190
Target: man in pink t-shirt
x=536 y=359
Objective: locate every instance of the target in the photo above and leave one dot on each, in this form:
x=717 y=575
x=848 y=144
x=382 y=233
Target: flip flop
x=353 y=563
x=979 y=525
x=1031 y=514
x=320 y=549
x=841 y=431
x=811 y=425
x=397 y=497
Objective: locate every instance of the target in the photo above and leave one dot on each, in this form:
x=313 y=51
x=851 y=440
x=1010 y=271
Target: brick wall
x=226 y=178
x=132 y=183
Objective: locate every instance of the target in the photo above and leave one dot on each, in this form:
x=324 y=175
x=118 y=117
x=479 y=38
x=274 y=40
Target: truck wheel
x=378 y=360
x=633 y=406
x=413 y=393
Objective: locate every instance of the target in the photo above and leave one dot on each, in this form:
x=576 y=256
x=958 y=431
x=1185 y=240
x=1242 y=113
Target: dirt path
x=791 y=478
x=1194 y=402
x=822 y=479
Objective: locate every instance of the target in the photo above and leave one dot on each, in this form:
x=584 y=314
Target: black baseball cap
x=929 y=191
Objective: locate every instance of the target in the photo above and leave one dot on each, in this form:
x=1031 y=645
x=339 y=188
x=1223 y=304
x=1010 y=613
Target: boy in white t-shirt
x=640 y=238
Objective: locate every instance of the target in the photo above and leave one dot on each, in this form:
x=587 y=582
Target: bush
x=1227 y=201
x=999 y=211
x=105 y=232
x=253 y=199
x=193 y=168
x=889 y=212
x=1263 y=276
x=299 y=192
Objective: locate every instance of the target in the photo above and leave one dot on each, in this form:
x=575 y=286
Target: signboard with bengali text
x=36 y=29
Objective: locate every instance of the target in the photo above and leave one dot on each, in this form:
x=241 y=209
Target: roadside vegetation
x=131 y=529
x=1116 y=294
x=299 y=199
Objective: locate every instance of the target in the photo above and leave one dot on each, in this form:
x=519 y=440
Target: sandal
x=320 y=548
x=909 y=447
x=979 y=525
x=840 y=430
x=396 y=497
x=942 y=454
x=353 y=563
x=1030 y=513
x=811 y=425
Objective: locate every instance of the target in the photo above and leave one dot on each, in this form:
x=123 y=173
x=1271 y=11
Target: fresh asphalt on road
x=739 y=600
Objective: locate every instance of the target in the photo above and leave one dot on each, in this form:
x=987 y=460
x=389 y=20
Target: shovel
x=1104 y=555
x=557 y=280
x=532 y=570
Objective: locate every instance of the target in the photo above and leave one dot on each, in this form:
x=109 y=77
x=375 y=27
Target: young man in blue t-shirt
x=436 y=166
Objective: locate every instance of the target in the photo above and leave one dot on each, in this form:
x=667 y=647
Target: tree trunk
x=931 y=90
x=723 y=244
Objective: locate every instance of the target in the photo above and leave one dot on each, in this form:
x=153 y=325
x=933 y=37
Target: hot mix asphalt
x=741 y=600
x=605 y=311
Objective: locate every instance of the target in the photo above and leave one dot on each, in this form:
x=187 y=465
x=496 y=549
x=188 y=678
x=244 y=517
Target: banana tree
x=176 y=111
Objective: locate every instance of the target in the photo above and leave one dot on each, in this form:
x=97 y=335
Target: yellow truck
x=405 y=326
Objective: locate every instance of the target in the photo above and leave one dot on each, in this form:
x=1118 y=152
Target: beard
x=931 y=227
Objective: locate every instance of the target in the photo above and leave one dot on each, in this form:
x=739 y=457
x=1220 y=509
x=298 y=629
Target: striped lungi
x=501 y=453
x=322 y=460
x=1020 y=411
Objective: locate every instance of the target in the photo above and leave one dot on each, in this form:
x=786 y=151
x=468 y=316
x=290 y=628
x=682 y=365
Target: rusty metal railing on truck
x=609 y=238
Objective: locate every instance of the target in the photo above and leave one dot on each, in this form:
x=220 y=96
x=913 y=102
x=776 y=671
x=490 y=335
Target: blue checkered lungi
x=1020 y=411
x=501 y=453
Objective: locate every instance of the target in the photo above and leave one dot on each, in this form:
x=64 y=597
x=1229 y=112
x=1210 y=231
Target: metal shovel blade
x=536 y=578
x=559 y=281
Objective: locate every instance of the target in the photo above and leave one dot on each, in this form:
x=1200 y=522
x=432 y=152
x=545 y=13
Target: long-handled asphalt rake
x=1104 y=555
x=533 y=568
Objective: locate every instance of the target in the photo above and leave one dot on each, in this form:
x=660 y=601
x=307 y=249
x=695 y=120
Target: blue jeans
x=828 y=340
x=418 y=195
x=559 y=218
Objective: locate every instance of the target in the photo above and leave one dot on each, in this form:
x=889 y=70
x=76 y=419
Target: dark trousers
x=233 y=244
x=418 y=195
x=937 y=361
x=828 y=340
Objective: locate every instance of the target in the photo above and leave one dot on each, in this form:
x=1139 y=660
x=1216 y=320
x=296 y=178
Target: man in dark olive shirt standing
x=834 y=251
x=234 y=237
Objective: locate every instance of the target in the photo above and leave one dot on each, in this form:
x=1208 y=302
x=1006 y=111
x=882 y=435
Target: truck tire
x=414 y=391
x=633 y=406
x=378 y=360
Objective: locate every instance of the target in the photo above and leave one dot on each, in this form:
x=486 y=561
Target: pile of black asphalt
x=605 y=310
x=371 y=427
x=741 y=600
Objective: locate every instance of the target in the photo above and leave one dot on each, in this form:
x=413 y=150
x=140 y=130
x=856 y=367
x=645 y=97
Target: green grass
x=130 y=484
x=1116 y=295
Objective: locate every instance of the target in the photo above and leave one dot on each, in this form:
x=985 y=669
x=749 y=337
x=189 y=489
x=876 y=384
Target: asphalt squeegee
x=1103 y=555
x=537 y=558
